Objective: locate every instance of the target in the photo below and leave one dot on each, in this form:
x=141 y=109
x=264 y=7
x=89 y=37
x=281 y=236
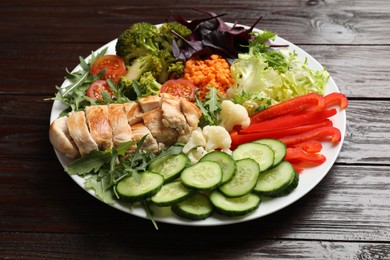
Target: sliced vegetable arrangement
x=201 y=116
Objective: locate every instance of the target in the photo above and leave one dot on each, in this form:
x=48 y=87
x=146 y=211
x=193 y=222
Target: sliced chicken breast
x=163 y=134
x=134 y=112
x=191 y=112
x=60 y=138
x=149 y=103
x=121 y=130
x=79 y=132
x=99 y=126
x=172 y=115
x=150 y=143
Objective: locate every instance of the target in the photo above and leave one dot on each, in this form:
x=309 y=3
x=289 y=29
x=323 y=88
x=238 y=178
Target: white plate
x=309 y=178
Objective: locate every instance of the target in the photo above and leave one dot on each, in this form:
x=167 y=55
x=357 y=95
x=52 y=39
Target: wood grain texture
x=350 y=204
x=314 y=22
x=366 y=141
x=45 y=215
x=43 y=68
x=72 y=246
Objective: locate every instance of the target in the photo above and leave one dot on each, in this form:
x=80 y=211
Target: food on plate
x=102 y=126
x=97 y=89
x=179 y=87
x=79 y=132
x=60 y=137
x=211 y=71
x=233 y=115
x=113 y=66
x=196 y=115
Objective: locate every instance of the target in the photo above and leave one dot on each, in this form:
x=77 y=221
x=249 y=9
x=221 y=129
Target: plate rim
x=217 y=220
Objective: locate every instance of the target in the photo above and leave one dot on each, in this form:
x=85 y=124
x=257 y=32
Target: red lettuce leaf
x=212 y=35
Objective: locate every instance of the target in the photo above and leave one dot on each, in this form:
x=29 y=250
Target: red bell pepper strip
x=239 y=138
x=285 y=123
x=290 y=106
x=297 y=167
x=309 y=146
x=316 y=134
x=336 y=99
x=297 y=154
x=277 y=133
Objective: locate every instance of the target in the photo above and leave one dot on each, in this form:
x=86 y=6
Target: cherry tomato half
x=114 y=65
x=94 y=90
x=179 y=87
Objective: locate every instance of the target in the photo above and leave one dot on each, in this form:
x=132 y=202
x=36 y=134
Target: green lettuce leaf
x=274 y=76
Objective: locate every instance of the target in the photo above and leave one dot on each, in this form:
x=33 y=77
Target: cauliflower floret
x=207 y=140
x=196 y=154
x=233 y=114
x=196 y=139
x=216 y=138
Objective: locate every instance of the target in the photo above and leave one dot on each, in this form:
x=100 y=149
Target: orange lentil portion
x=212 y=71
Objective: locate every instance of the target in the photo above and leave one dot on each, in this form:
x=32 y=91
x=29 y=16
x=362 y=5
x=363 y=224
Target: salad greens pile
x=265 y=76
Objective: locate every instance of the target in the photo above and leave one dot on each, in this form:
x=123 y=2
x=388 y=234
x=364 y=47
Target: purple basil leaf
x=214 y=35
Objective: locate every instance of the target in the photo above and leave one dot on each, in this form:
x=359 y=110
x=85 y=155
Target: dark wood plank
x=359 y=71
x=43 y=68
x=38 y=67
x=136 y=246
x=368 y=129
x=24 y=126
x=45 y=215
x=350 y=204
x=314 y=22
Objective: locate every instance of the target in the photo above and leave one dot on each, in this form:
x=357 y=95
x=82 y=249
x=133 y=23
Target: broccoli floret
x=146 y=48
x=138 y=40
x=130 y=88
x=176 y=70
x=149 y=84
x=168 y=36
x=143 y=64
x=166 y=59
x=146 y=85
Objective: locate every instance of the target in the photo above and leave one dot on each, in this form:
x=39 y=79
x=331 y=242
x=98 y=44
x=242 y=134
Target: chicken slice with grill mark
x=99 y=126
x=172 y=115
x=134 y=112
x=163 y=134
x=121 y=130
x=149 y=103
x=60 y=138
x=150 y=143
x=80 y=134
x=191 y=112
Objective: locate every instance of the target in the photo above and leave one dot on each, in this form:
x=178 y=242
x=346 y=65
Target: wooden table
x=44 y=214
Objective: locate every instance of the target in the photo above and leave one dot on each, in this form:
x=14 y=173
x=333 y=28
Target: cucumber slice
x=169 y=166
x=170 y=194
x=261 y=153
x=277 y=146
x=277 y=181
x=202 y=176
x=196 y=207
x=225 y=161
x=234 y=206
x=243 y=181
x=129 y=189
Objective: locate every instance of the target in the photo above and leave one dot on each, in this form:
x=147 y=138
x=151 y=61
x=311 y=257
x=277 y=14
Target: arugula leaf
x=78 y=78
x=261 y=42
x=210 y=107
x=213 y=100
x=92 y=183
x=90 y=163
